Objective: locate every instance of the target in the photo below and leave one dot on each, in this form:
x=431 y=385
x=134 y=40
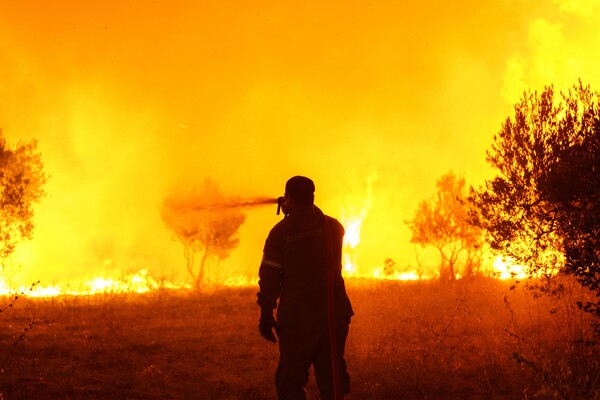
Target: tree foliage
x=443 y=222
x=543 y=207
x=21 y=186
x=202 y=223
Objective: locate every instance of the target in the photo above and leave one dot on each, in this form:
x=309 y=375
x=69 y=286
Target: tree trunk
x=451 y=262
x=446 y=267
x=200 y=276
x=189 y=254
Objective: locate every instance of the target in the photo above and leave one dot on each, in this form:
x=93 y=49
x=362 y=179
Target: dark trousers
x=305 y=344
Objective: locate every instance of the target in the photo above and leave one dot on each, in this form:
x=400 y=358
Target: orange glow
x=139 y=282
x=507 y=270
x=130 y=98
x=352 y=218
x=351 y=241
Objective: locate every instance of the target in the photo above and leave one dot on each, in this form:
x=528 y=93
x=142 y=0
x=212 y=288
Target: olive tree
x=443 y=223
x=21 y=186
x=203 y=225
x=543 y=207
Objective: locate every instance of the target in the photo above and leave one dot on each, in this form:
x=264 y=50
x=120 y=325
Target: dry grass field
x=468 y=340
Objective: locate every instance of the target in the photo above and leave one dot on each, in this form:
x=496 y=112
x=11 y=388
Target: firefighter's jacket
x=294 y=268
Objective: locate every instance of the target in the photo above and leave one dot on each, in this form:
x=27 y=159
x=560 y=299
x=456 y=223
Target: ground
x=423 y=340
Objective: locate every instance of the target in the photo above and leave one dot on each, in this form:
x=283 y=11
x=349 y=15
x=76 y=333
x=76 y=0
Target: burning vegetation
x=473 y=274
x=536 y=222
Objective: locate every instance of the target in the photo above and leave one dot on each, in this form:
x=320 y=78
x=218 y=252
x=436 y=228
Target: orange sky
x=130 y=98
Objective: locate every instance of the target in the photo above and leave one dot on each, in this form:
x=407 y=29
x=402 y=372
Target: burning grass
x=409 y=340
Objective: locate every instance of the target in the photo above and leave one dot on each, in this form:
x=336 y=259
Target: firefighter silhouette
x=301 y=276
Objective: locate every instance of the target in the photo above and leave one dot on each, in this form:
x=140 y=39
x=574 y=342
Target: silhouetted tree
x=543 y=208
x=389 y=267
x=443 y=222
x=201 y=221
x=21 y=185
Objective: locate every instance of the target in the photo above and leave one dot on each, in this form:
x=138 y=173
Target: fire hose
x=331 y=317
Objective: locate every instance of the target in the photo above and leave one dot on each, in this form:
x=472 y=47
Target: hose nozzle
x=280 y=201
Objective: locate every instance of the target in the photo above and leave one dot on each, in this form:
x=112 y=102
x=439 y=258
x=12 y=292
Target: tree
x=202 y=222
x=543 y=207
x=389 y=267
x=443 y=222
x=21 y=186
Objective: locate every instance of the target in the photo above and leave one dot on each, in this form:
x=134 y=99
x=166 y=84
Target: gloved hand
x=265 y=328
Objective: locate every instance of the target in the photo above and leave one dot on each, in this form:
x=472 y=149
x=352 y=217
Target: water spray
x=258 y=201
x=237 y=204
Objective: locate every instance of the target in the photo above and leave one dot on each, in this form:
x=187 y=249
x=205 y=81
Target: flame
x=504 y=268
x=240 y=281
x=139 y=282
x=379 y=273
x=501 y=267
x=353 y=215
x=351 y=241
x=352 y=237
x=78 y=103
